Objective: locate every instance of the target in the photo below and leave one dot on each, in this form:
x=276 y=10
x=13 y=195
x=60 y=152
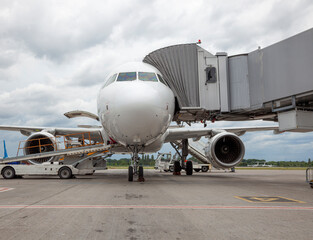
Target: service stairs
x=63 y=152
x=196 y=149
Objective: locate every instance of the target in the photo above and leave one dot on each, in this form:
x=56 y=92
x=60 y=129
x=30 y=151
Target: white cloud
x=54 y=52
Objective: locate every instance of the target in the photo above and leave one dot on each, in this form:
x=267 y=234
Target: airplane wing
x=95 y=133
x=184 y=133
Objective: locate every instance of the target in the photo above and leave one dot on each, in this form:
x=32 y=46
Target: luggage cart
x=309 y=176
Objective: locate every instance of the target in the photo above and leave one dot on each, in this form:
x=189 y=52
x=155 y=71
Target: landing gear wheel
x=204 y=169
x=65 y=173
x=197 y=170
x=140 y=174
x=8 y=173
x=177 y=168
x=130 y=173
x=189 y=168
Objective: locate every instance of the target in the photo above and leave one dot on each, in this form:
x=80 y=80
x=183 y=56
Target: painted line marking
x=5 y=189
x=175 y=207
x=275 y=199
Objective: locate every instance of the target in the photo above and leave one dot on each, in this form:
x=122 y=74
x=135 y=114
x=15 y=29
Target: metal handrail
x=309 y=174
x=54 y=145
x=85 y=141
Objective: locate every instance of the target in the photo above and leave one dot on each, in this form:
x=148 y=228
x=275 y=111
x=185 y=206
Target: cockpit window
x=147 y=76
x=161 y=79
x=126 y=76
x=110 y=80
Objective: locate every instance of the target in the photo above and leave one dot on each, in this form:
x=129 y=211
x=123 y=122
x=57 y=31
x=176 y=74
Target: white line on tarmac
x=174 y=207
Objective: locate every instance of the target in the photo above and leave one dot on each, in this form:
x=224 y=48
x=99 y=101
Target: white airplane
x=135 y=109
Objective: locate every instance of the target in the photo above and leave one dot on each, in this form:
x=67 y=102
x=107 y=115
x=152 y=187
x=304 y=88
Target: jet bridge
x=274 y=83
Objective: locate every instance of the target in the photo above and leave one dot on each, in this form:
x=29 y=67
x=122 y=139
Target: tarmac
x=247 y=204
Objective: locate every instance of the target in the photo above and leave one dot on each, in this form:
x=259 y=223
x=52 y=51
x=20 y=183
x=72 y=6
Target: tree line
x=145 y=160
x=149 y=160
x=247 y=162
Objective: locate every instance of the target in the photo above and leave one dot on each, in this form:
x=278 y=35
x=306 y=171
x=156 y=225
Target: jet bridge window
x=147 y=76
x=126 y=76
x=210 y=75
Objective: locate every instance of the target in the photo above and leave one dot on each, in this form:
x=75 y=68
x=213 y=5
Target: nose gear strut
x=135 y=168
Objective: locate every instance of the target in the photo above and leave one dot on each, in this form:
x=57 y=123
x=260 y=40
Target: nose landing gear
x=130 y=173
x=134 y=168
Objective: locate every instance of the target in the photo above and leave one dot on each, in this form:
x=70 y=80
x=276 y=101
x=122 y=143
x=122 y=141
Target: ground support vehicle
x=165 y=162
x=197 y=167
x=64 y=163
x=44 y=169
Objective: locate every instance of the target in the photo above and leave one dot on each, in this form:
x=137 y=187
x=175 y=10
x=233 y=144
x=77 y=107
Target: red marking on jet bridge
x=4 y=189
x=173 y=207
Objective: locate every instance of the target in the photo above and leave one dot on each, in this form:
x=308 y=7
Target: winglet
x=5 y=150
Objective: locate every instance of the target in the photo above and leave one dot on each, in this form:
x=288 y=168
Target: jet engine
x=225 y=150
x=40 y=143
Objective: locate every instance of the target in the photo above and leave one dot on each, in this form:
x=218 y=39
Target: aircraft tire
x=177 y=167
x=189 y=168
x=140 y=173
x=8 y=173
x=130 y=173
x=65 y=173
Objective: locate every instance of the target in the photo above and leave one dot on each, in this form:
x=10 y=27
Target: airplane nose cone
x=141 y=114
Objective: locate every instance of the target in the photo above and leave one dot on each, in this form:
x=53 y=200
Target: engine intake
x=225 y=150
x=39 y=143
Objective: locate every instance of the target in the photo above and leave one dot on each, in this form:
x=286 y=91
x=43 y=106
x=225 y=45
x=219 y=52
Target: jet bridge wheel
x=65 y=173
x=130 y=173
x=189 y=168
x=8 y=173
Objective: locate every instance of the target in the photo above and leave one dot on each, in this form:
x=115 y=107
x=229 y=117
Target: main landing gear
x=134 y=169
x=183 y=164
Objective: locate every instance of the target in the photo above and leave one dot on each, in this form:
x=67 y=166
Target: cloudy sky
x=54 y=55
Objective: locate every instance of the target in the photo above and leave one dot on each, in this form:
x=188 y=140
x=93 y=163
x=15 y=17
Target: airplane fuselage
x=135 y=108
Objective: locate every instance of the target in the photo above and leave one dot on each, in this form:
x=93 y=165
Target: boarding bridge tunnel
x=274 y=83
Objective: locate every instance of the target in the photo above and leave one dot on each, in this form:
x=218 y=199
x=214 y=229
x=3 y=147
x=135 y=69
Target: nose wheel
x=134 y=168
x=130 y=173
x=140 y=174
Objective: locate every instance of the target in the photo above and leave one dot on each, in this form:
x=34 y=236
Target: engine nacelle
x=39 y=143
x=225 y=150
